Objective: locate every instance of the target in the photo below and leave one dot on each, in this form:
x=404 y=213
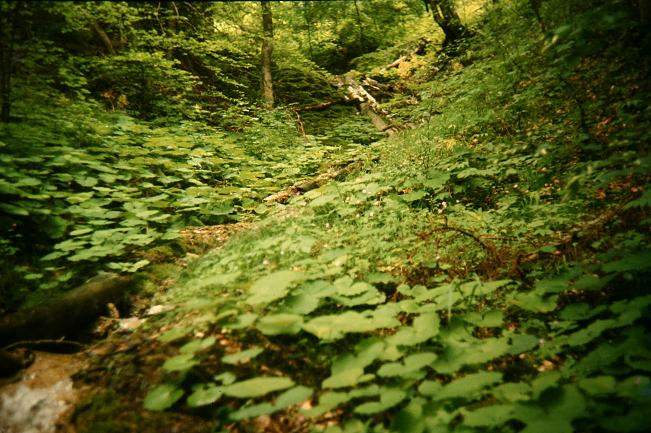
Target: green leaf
x=346 y=287
x=544 y=382
x=13 y=209
x=488 y=416
x=301 y=303
x=348 y=377
x=175 y=334
x=512 y=392
x=323 y=200
x=272 y=287
x=327 y=401
x=535 y=302
x=413 y=196
x=468 y=387
x=410 y=419
x=280 y=324
x=429 y=388
x=410 y=364
x=637 y=261
x=598 y=385
x=197 y=345
x=243 y=356
x=332 y=327
x=204 y=395
x=389 y=397
x=162 y=397
x=182 y=362
x=424 y=327
x=252 y=411
x=257 y=387
x=293 y=396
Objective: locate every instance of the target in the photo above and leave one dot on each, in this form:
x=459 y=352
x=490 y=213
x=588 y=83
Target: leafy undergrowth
x=490 y=273
x=84 y=191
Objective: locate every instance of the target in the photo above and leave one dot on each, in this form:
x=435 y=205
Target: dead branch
x=307 y=185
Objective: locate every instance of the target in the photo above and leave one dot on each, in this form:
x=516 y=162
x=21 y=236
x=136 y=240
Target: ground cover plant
x=483 y=269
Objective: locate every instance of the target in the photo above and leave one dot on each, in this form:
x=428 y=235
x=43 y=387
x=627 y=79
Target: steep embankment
x=484 y=271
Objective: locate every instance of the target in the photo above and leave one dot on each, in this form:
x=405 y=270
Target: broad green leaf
x=409 y=365
x=424 y=327
x=332 y=327
x=243 y=356
x=429 y=388
x=162 y=397
x=388 y=398
x=469 y=386
x=349 y=377
x=204 y=395
x=13 y=209
x=598 y=385
x=252 y=411
x=346 y=287
x=175 y=334
x=458 y=354
x=327 y=401
x=280 y=324
x=324 y=199
x=182 y=362
x=590 y=332
x=410 y=419
x=580 y=311
x=521 y=343
x=535 y=302
x=413 y=196
x=257 y=387
x=489 y=319
x=637 y=261
x=272 y=287
x=198 y=345
x=226 y=378
x=243 y=321
x=512 y=392
x=488 y=416
x=301 y=303
x=293 y=396
x=545 y=381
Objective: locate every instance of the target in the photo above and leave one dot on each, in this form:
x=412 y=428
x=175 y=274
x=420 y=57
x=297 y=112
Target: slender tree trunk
x=447 y=18
x=535 y=6
x=108 y=44
x=308 y=24
x=7 y=40
x=360 y=27
x=267 y=51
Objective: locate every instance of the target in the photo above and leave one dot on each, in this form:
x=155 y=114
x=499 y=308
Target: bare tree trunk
x=104 y=37
x=360 y=27
x=447 y=18
x=535 y=6
x=308 y=24
x=267 y=51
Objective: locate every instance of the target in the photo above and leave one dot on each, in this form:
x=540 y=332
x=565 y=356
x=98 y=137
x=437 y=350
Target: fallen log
x=420 y=49
x=307 y=185
x=369 y=106
x=321 y=106
x=67 y=315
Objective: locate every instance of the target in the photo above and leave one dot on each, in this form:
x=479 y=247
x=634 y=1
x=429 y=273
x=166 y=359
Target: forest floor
x=486 y=269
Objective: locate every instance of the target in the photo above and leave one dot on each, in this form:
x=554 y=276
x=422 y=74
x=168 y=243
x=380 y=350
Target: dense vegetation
x=484 y=268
